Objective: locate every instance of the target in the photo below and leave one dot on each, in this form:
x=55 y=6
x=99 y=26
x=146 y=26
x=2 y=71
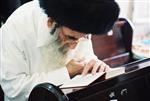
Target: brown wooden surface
x=115 y=48
x=136 y=81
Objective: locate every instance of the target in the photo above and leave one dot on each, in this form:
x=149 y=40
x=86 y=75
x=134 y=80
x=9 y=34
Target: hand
x=75 y=66
x=94 y=66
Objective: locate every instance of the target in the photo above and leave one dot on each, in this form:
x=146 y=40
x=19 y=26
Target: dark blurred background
x=7 y=7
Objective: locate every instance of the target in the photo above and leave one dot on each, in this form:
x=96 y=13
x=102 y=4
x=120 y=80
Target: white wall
x=141 y=16
x=126 y=8
x=138 y=11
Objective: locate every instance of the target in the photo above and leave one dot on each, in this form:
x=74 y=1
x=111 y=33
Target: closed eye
x=72 y=38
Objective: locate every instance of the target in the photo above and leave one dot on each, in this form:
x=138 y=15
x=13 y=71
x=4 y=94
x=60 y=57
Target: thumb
x=81 y=59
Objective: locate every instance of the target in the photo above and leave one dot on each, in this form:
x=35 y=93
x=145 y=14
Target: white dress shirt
x=24 y=38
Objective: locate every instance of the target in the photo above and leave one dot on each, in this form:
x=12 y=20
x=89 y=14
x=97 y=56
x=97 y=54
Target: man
x=49 y=41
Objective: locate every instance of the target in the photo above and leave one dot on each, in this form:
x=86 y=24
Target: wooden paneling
x=114 y=47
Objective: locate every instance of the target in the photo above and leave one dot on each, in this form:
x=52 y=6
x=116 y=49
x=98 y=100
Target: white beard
x=54 y=56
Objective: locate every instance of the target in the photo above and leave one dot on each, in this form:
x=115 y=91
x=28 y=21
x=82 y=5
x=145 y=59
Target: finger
x=102 y=66
x=95 y=68
x=79 y=59
x=107 y=68
x=77 y=63
x=81 y=64
x=88 y=67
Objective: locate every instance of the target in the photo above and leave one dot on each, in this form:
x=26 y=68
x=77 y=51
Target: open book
x=82 y=81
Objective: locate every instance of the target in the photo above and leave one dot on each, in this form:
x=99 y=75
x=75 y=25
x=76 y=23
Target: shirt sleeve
x=85 y=50
x=15 y=77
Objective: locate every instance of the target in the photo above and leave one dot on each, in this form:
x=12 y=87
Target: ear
x=49 y=22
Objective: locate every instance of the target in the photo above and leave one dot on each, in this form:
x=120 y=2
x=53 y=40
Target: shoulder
x=22 y=21
x=25 y=19
x=28 y=12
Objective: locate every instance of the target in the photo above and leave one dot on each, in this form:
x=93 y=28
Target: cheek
x=73 y=44
x=69 y=44
x=65 y=44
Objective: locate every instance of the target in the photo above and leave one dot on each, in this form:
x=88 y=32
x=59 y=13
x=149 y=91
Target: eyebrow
x=74 y=38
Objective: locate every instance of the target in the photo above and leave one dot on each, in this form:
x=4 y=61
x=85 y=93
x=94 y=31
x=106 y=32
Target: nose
x=73 y=44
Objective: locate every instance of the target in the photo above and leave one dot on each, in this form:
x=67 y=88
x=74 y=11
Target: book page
x=82 y=81
x=115 y=72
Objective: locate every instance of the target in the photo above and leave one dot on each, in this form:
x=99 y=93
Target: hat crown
x=87 y=16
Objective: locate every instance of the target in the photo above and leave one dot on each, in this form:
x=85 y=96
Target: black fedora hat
x=87 y=16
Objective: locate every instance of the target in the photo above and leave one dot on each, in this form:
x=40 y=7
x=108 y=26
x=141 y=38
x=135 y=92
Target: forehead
x=70 y=32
